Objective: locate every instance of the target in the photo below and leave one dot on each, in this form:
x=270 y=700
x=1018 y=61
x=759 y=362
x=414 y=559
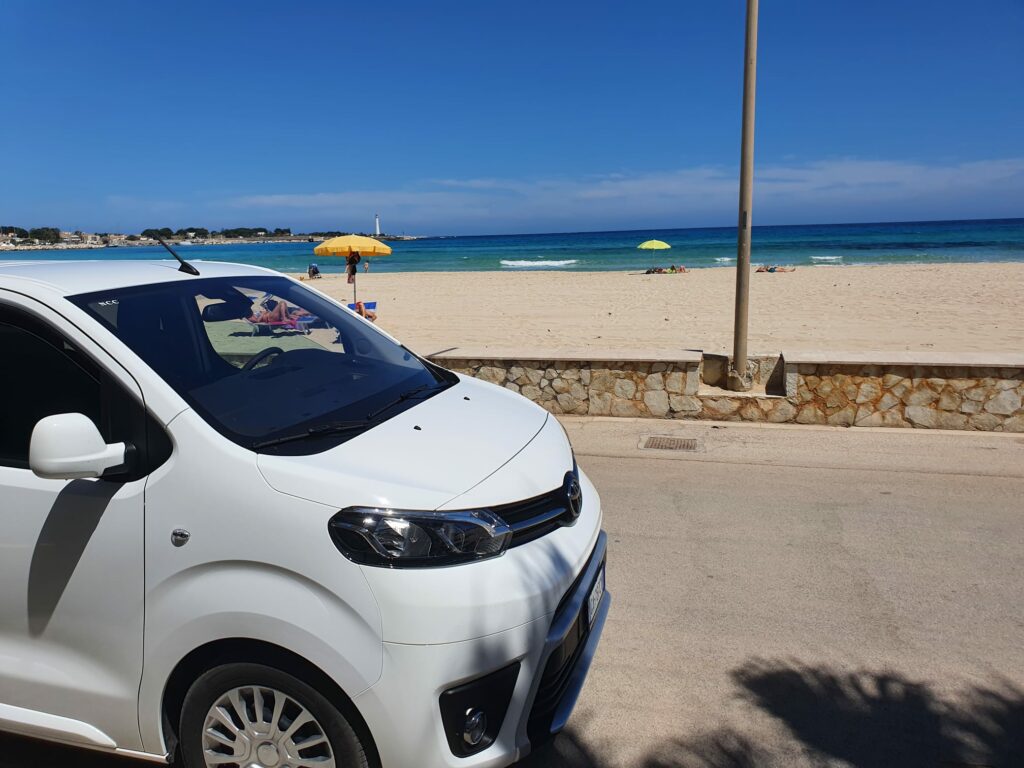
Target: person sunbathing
x=362 y=311
x=672 y=270
x=271 y=312
x=276 y=312
x=774 y=268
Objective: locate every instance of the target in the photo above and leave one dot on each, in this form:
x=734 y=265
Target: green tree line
x=40 y=234
x=167 y=232
x=52 y=234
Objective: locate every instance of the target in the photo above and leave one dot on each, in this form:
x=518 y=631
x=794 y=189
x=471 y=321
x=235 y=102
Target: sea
x=831 y=245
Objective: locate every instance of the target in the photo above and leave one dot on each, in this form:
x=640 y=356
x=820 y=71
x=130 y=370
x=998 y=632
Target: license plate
x=596 y=593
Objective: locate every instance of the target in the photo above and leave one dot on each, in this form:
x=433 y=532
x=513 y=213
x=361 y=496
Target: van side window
x=40 y=380
x=46 y=374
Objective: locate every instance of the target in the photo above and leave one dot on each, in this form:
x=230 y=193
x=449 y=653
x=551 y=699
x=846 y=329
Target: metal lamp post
x=738 y=378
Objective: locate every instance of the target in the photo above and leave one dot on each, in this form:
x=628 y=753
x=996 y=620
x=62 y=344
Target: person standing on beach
x=350 y=266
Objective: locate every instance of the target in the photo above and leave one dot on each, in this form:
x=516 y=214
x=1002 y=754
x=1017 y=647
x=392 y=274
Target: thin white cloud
x=844 y=189
x=495 y=184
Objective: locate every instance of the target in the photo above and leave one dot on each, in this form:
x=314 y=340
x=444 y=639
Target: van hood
x=420 y=459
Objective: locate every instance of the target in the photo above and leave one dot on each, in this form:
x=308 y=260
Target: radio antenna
x=185 y=266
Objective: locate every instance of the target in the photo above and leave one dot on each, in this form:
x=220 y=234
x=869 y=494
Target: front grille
x=555 y=680
x=535 y=517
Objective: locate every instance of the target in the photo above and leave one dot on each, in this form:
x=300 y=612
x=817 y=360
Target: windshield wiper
x=401 y=399
x=332 y=428
x=338 y=427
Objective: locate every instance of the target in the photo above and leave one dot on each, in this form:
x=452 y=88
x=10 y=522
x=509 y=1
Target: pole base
x=737 y=383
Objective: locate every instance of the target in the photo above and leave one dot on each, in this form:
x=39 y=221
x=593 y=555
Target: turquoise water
x=806 y=245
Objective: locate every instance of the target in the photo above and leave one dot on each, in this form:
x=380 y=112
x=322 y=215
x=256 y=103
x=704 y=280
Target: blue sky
x=460 y=117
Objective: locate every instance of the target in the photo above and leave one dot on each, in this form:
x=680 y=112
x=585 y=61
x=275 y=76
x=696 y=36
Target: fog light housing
x=472 y=713
x=475 y=729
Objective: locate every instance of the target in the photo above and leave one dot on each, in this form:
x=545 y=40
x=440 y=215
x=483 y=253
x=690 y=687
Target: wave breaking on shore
x=537 y=264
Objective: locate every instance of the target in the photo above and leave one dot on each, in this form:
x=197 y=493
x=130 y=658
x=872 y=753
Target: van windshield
x=269 y=363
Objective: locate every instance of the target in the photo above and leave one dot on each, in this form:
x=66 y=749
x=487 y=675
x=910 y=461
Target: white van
x=241 y=526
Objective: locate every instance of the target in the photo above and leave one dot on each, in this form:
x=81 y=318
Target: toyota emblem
x=573 y=496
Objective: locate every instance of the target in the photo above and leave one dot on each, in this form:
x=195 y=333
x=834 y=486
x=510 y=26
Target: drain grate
x=665 y=443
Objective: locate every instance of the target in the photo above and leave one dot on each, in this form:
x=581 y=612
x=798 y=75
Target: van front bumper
x=403 y=710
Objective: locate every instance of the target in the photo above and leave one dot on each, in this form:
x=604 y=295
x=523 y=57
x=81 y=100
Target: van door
x=71 y=552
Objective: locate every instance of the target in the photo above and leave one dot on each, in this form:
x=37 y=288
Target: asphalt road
x=792 y=597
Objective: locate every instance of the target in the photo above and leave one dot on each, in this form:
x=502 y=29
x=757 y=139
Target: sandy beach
x=947 y=308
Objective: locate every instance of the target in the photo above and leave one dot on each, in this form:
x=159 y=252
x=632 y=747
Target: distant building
x=376 y=223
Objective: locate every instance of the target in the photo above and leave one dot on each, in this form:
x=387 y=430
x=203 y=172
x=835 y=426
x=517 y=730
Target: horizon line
x=733 y=226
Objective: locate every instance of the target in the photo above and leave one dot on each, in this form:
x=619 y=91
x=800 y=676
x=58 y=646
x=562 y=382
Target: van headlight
x=399 y=538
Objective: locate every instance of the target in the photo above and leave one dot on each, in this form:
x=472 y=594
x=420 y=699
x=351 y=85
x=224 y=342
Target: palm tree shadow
x=865 y=718
x=722 y=748
x=879 y=718
x=990 y=722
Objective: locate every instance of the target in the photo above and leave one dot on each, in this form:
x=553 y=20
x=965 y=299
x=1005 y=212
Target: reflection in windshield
x=264 y=358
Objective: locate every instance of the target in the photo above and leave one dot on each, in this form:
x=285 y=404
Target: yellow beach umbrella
x=346 y=245
x=654 y=245
x=349 y=244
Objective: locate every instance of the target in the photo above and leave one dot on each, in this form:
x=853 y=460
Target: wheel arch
x=246 y=650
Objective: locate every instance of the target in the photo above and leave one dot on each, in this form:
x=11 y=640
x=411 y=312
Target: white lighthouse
x=376 y=223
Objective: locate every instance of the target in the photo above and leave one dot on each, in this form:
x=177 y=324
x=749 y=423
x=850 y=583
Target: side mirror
x=68 y=446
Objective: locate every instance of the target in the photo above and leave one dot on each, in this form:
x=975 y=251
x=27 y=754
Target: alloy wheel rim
x=254 y=726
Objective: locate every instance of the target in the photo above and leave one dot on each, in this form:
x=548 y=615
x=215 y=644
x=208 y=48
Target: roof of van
x=72 y=277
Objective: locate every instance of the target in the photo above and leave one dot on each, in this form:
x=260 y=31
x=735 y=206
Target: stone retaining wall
x=971 y=397
x=936 y=397
x=594 y=388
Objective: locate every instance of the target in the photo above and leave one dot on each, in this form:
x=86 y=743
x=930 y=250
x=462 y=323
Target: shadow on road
x=864 y=718
x=872 y=718
x=720 y=749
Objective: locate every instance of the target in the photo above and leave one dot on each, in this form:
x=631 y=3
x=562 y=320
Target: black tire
x=212 y=685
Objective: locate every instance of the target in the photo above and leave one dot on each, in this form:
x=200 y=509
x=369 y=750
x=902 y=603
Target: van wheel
x=253 y=716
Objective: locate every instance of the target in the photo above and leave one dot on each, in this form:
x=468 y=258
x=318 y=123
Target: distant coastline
x=9 y=246
x=90 y=241
x=811 y=246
